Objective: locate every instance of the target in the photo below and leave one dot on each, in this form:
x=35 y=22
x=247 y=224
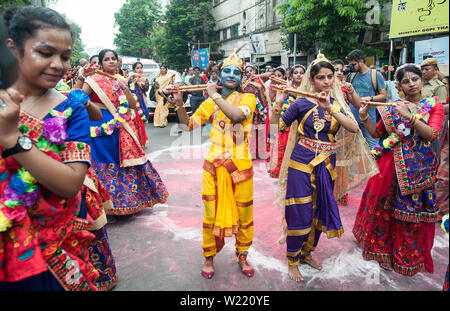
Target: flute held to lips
x=379 y=104
x=283 y=88
x=278 y=80
x=188 y=88
x=292 y=91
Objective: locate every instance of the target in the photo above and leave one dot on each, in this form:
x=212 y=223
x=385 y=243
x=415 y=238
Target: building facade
x=250 y=26
x=253 y=28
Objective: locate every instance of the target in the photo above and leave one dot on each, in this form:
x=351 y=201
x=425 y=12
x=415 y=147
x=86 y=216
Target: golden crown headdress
x=233 y=59
x=320 y=58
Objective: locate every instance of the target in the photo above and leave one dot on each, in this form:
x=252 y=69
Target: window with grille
x=234 y=31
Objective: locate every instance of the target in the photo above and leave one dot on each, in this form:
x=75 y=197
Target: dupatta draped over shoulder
x=109 y=92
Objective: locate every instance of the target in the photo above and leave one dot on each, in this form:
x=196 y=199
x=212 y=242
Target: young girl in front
x=45 y=154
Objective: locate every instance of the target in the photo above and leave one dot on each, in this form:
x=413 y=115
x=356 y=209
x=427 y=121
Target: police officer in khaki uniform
x=432 y=86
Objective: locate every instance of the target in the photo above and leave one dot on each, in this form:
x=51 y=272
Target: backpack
x=373 y=76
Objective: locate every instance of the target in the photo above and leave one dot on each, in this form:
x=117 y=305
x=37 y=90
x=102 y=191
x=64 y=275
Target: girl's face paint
x=46 y=57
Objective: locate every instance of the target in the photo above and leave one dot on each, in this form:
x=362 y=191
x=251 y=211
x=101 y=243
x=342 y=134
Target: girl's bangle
x=365 y=119
x=276 y=109
x=334 y=110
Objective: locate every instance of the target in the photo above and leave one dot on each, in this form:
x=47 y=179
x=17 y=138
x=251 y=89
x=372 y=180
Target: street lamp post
x=295 y=48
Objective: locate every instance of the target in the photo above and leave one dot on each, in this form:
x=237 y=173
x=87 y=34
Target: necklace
x=318 y=123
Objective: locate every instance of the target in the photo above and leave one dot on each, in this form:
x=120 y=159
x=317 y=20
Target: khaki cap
x=429 y=61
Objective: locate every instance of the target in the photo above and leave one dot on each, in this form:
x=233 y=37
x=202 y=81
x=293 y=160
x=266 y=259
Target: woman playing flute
x=308 y=170
x=283 y=99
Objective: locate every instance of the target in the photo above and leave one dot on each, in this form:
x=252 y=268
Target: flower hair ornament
x=404 y=66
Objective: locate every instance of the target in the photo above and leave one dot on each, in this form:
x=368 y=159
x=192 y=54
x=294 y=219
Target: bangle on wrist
x=333 y=110
x=364 y=119
x=276 y=109
x=81 y=78
x=216 y=96
x=87 y=104
x=412 y=120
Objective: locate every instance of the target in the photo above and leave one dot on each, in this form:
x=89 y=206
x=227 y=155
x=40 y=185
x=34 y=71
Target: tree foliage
x=4 y=4
x=334 y=26
x=8 y=3
x=136 y=20
x=185 y=21
x=158 y=44
x=78 y=46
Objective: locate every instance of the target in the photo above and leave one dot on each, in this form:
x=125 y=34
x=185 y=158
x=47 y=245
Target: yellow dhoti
x=228 y=210
x=227 y=176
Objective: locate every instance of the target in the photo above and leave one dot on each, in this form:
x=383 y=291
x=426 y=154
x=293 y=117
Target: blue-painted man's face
x=231 y=76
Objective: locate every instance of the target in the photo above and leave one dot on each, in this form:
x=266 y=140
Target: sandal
x=208 y=264
x=244 y=265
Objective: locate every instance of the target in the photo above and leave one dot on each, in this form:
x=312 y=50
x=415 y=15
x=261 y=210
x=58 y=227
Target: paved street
x=159 y=249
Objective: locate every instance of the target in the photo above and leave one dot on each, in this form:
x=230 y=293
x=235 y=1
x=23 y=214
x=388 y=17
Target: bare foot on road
x=295 y=274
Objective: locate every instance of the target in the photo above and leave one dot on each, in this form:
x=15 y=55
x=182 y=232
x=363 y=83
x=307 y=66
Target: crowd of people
x=321 y=129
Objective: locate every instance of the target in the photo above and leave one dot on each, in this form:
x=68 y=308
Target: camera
x=8 y=63
x=350 y=68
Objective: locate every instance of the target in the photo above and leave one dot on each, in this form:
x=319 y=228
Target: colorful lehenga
x=395 y=222
x=47 y=249
x=118 y=156
x=227 y=175
x=442 y=183
x=97 y=200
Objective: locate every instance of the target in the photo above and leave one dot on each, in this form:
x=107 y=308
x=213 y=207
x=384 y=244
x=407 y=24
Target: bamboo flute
x=379 y=104
x=292 y=91
x=311 y=95
x=278 y=80
x=189 y=88
x=105 y=74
